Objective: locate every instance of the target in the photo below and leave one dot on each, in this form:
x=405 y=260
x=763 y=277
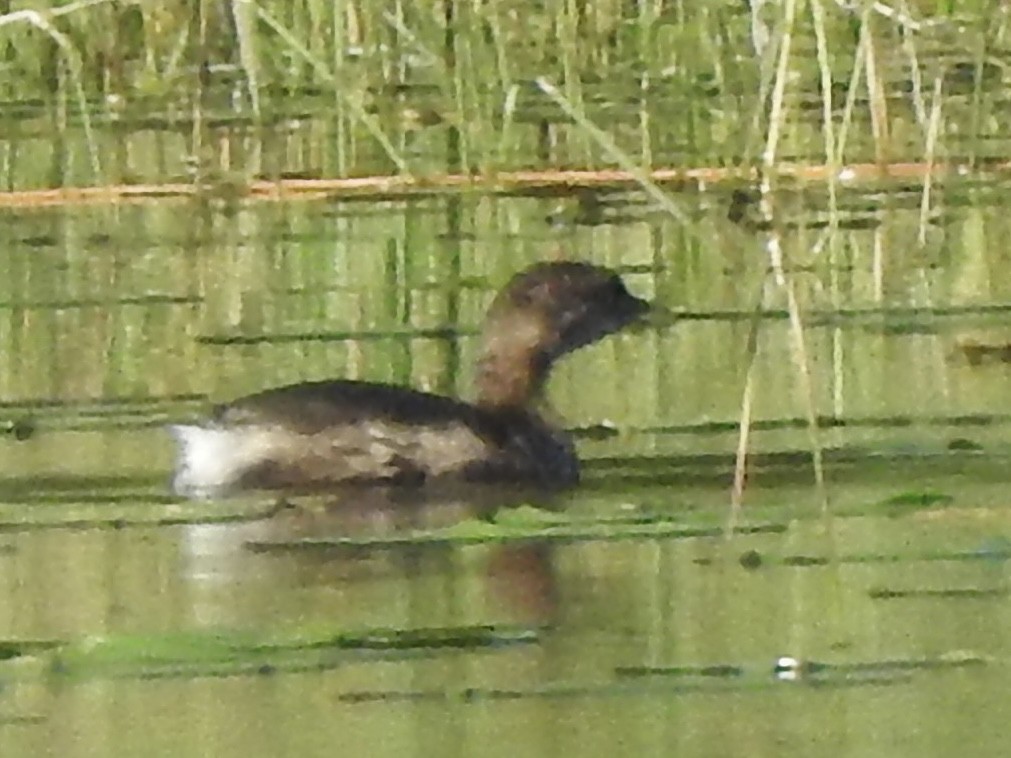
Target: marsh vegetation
x=203 y=199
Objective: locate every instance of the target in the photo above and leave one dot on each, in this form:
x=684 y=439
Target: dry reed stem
x=774 y=246
x=642 y=177
x=391 y=187
x=828 y=125
x=931 y=153
x=915 y=79
x=744 y=422
x=875 y=90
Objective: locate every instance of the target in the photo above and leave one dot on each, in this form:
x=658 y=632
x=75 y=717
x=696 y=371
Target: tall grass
x=671 y=83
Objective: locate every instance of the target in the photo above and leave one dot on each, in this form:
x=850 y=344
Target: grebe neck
x=514 y=363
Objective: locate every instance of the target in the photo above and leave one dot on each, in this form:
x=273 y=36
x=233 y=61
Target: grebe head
x=544 y=312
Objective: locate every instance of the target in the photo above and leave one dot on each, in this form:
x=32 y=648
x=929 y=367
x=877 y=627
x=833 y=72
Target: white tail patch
x=210 y=460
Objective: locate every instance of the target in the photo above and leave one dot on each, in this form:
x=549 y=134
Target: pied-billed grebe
x=320 y=434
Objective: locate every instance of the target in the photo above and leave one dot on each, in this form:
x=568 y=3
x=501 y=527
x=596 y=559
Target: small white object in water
x=787 y=668
x=847 y=175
